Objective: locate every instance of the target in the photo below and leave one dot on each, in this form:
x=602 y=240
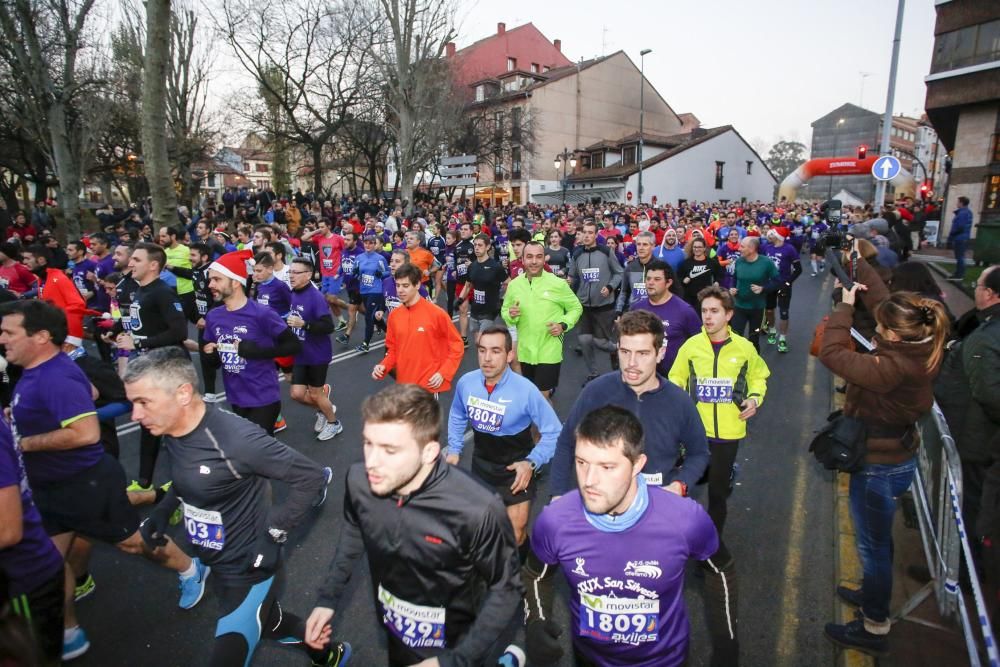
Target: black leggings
x=452 y=286
x=249 y=613
x=263 y=416
x=744 y=317
x=149 y=450
x=209 y=366
x=720 y=470
x=373 y=303
x=42 y=610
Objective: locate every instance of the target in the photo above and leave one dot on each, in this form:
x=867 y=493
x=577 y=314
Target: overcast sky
x=767 y=67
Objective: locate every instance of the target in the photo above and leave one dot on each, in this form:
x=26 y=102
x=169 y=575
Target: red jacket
x=59 y=290
x=421 y=340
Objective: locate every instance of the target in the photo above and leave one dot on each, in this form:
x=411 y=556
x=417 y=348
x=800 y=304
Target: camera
x=837 y=240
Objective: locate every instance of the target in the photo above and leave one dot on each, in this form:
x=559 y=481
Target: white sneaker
x=320 y=422
x=329 y=430
x=215 y=398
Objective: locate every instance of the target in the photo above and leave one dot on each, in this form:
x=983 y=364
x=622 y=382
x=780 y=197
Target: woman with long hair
x=888 y=391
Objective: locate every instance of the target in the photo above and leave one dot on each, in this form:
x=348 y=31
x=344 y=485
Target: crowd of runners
x=669 y=306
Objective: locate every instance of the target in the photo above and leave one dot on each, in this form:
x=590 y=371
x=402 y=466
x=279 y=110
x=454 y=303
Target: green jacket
x=719 y=383
x=544 y=299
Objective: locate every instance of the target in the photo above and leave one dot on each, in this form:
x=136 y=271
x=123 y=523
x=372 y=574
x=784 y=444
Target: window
x=261 y=168
x=246 y=166
x=992 y=202
x=749 y=167
x=718 y=174
x=515 y=162
x=211 y=181
x=629 y=154
x=585 y=161
x=597 y=160
x=511 y=64
x=498 y=170
x=974 y=45
x=546 y=68
x=534 y=68
x=480 y=93
x=515 y=124
x=498 y=125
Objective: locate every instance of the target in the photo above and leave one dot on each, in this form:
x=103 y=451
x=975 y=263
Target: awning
x=494 y=193
x=579 y=196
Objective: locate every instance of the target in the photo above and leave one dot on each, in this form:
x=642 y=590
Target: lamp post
x=836 y=147
x=642 y=111
x=561 y=159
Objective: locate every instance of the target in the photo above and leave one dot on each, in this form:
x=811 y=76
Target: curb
x=846 y=566
x=936 y=268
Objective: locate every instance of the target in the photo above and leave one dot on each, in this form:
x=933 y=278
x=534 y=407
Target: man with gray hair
x=634 y=283
x=220 y=465
x=755 y=276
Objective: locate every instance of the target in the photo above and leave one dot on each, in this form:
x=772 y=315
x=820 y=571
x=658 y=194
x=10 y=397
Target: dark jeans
x=873 y=503
x=752 y=318
x=373 y=303
x=720 y=471
x=959 y=248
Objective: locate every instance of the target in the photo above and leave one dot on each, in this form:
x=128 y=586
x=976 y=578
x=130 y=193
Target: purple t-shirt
x=80 y=271
x=276 y=295
x=310 y=305
x=783 y=257
x=680 y=322
x=627 y=589
x=250 y=383
x=34 y=560
x=724 y=252
x=392 y=301
x=38 y=408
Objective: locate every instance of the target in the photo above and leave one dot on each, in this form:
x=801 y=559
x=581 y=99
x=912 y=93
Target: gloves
x=154 y=527
x=266 y=555
x=542 y=642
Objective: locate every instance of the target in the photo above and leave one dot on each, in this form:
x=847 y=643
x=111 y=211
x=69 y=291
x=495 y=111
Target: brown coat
x=889 y=389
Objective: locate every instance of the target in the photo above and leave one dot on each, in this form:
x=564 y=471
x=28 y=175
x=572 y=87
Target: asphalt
x=780 y=530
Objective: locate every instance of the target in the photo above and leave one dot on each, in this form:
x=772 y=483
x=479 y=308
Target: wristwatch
x=279 y=536
x=534 y=466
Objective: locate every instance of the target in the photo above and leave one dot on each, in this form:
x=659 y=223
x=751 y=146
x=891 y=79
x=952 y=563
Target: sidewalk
x=912 y=644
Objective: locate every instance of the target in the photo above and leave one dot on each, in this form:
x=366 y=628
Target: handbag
x=841 y=443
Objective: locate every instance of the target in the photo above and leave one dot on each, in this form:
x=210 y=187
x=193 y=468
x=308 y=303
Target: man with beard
x=669 y=251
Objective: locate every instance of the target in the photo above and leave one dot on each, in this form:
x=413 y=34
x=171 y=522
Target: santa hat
x=234 y=265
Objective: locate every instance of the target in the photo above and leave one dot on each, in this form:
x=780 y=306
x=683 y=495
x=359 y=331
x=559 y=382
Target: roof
x=249 y=153
x=668 y=141
x=487 y=57
x=693 y=139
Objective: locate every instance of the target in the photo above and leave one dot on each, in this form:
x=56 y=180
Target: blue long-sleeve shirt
x=370 y=268
x=501 y=419
x=961 y=225
x=669 y=418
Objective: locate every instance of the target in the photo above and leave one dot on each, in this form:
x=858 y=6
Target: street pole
x=889 y=96
x=642 y=112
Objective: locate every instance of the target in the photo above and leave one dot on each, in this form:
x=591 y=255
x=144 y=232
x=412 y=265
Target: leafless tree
x=154 y=113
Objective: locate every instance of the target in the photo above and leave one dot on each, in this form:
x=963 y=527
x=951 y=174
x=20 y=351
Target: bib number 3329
x=417 y=626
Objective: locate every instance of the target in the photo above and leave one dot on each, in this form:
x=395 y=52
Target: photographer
x=887 y=391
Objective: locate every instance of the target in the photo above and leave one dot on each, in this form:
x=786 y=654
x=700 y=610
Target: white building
x=703 y=165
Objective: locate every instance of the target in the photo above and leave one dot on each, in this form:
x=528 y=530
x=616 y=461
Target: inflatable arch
x=839 y=166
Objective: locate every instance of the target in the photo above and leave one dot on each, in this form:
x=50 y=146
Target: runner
x=420 y=257
x=669 y=251
x=502 y=407
x=79 y=489
x=369 y=269
x=441 y=553
x=244 y=337
x=312 y=324
x=228 y=517
x=348 y=260
x=727 y=379
x=330 y=248
x=178 y=257
x=421 y=343
x=464 y=253
x=817 y=246
x=680 y=321
x=389 y=296
x=541 y=308
x=786 y=260
x=754 y=276
x=623 y=546
x=634 y=280
x=595 y=274
x=698 y=271
x=204 y=300
x=486 y=277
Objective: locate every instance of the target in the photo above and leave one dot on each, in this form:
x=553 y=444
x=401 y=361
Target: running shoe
x=280 y=424
x=343 y=339
x=341 y=325
x=363 y=348
x=513 y=656
x=330 y=430
x=327 y=478
x=338 y=655
x=136 y=487
x=320 y=422
x=85 y=589
x=772 y=337
x=217 y=397
x=75 y=647
x=782 y=345
x=192 y=588
x=813 y=274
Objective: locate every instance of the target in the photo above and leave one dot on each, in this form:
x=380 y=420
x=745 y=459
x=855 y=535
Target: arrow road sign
x=885 y=168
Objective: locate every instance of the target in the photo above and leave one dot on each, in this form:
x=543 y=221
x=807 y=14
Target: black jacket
x=447 y=545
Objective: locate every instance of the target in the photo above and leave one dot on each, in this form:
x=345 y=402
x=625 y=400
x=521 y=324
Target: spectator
x=958 y=237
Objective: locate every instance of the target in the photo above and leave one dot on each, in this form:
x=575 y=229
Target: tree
x=45 y=51
x=501 y=137
x=154 y=112
x=785 y=157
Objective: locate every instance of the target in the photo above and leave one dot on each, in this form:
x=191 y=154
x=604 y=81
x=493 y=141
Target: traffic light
x=925 y=191
x=862 y=151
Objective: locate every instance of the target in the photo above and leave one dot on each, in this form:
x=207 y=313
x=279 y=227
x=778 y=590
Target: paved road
x=779 y=529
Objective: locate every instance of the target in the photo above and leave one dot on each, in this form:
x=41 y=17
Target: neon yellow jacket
x=718 y=384
x=544 y=299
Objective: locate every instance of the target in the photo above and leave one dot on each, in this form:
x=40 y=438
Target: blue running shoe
x=192 y=588
x=327 y=478
x=75 y=647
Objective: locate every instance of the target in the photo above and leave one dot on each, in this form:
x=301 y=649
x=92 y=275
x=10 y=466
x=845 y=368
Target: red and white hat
x=234 y=265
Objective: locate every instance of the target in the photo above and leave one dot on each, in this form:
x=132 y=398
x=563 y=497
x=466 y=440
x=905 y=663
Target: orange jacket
x=423 y=259
x=61 y=292
x=421 y=340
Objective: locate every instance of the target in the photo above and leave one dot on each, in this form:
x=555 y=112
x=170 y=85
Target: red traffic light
x=925 y=191
x=862 y=151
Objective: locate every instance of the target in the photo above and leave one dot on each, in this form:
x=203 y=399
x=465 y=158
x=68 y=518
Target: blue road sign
x=885 y=168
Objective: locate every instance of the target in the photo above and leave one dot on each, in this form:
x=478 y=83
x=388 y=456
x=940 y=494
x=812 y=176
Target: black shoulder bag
x=840 y=445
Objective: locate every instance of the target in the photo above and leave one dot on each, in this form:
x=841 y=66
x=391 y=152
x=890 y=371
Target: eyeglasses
x=300 y=273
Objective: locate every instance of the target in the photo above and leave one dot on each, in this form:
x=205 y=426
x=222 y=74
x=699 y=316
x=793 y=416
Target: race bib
x=463 y=269
x=367 y=280
x=347 y=265
x=202 y=306
x=264 y=299
x=639 y=290
x=591 y=275
x=618 y=620
x=204 y=528
x=653 y=478
x=327 y=263
x=479 y=296
x=815 y=235
x=486 y=416
x=392 y=303
x=415 y=625
x=715 y=390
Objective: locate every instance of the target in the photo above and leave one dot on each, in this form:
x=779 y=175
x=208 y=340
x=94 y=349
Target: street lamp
x=836 y=147
x=561 y=159
x=642 y=111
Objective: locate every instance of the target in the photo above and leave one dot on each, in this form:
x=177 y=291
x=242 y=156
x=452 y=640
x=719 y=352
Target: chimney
x=501 y=28
x=558 y=44
x=449 y=49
